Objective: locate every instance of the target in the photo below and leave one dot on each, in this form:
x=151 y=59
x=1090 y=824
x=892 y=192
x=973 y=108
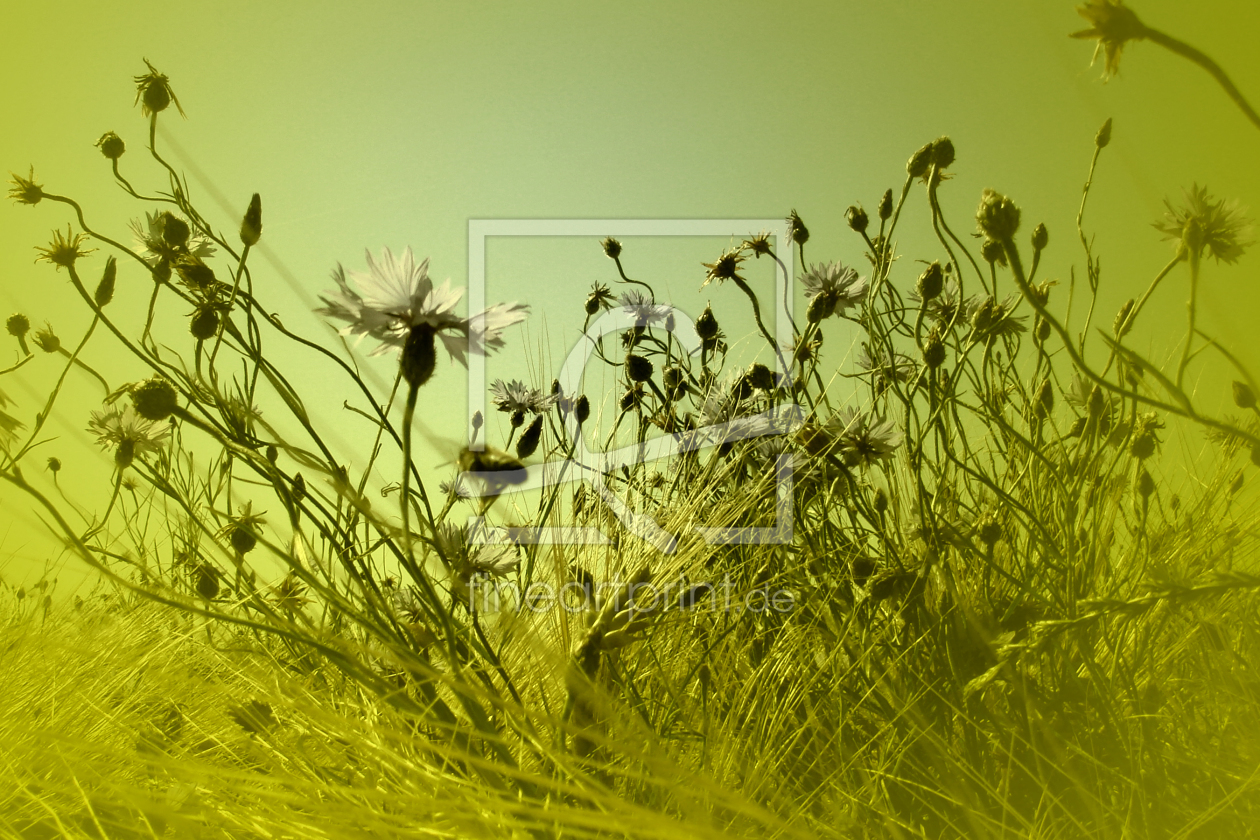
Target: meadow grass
x=996 y=613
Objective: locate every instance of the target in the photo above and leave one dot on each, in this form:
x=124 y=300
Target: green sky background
x=394 y=124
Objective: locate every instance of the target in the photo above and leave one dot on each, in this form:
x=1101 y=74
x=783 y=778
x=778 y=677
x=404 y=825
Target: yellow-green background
x=394 y=124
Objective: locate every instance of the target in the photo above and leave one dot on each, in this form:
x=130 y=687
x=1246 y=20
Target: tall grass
x=993 y=615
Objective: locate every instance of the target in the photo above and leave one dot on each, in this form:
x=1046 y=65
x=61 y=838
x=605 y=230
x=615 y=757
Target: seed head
x=204 y=323
x=758 y=245
x=154 y=399
x=46 y=340
x=153 y=92
x=111 y=145
x=251 y=225
x=63 y=251
x=725 y=267
x=18 y=325
x=25 y=190
x=612 y=248
x=997 y=216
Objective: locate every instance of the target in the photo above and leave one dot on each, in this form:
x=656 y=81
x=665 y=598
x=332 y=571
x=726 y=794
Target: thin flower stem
x=1186 y=51
x=1192 y=311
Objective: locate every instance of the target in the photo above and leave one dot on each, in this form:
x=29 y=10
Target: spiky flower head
x=864 y=439
x=758 y=244
x=159 y=246
x=1206 y=224
x=154 y=399
x=599 y=298
x=832 y=288
x=243 y=529
x=63 y=251
x=18 y=325
x=725 y=267
x=997 y=216
x=706 y=325
x=516 y=396
x=612 y=248
x=153 y=92
x=111 y=145
x=45 y=339
x=1113 y=24
x=25 y=190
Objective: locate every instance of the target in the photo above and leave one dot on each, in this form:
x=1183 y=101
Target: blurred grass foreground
x=949 y=586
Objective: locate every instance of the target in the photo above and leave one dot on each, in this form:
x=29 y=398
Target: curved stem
x=1186 y=51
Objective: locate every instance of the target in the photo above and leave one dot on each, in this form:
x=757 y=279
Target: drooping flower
x=25 y=190
x=396 y=296
x=1205 y=224
x=516 y=396
x=1113 y=24
x=832 y=288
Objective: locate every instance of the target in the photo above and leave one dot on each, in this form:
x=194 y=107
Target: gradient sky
x=394 y=124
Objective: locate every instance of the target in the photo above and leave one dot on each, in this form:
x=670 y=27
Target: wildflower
x=899 y=366
x=54 y=465
x=154 y=399
x=1113 y=24
x=759 y=244
x=997 y=216
x=1204 y=224
x=638 y=368
x=857 y=218
x=641 y=306
x=725 y=267
x=797 y=229
x=475 y=553
x=46 y=340
x=612 y=248
x=1144 y=440
x=528 y=442
x=832 y=288
x=130 y=435
x=599 y=298
x=63 y=251
x=111 y=145
x=707 y=325
x=930 y=282
x=18 y=325
x=25 y=190
x=456 y=488
x=242 y=529
x=516 y=397
x=991 y=318
x=289 y=594
x=864 y=439
x=153 y=92
x=397 y=304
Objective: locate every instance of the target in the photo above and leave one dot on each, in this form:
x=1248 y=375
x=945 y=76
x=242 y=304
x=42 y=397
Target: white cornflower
x=396 y=296
x=642 y=307
x=516 y=396
x=832 y=288
x=127 y=433
x=864 y=439
x=901 y=367
x=470 y=555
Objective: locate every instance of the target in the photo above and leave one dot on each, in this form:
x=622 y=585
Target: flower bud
x=527 y=444
x=105 y=289
x=638 y=368
x=582 y=409
x=592 y=303
x=821 y=307
x=154 y=399
x=243 y=539
x=919 y=162
x=990 y=530
x=1120 y=326
x=1146 y=484
x=997 y=216
x=517 y=419
x=857 y=218
x=1103 y=137
x=993 y=252
x=18 y=325
x=629 y=399
x=1040 y=237
x=886 y=206
x=251 y=225
x=125 y=453
x=299 y=488
x=419 y=355
x=930 y=282
x=760 y=377
x=672 y=378
x=272 y=453
x=942 y=152
x=204 y=323
x=111 y=145
x=1043 y=330
x=175 y=230
x=1097 y=402
x=707 y=325
x=612 y=248
x=880 y=502
x=933 y=350
x=54 y=465
x=1045 y=399
x=1244 y=397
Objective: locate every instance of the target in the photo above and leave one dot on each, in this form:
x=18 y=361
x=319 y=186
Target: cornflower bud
x=880 y=502
x=760 y=377
x=886 y=206
x=272 y=453
x=930 y=282
x=105 y=289
x=582 y=409
x=1120 y=325
x=990 y=530
x=612 y=248
x=175 y=230
x=1146 y=485
x=527 y=444
x=1040 y=237
x=1045 y=399
x=299 y=488
x=1244 y=397
x=942 y=152
x=933 y=350
x=638 y=368
x=993 y=252
x=204 y=323
x=18 y=325
x=518 y=419
x=857 y=218
x=251 y=225
x=919 y=162
x=419 y=355
x=154 y=399
x=997 y=216
x=47 y=340
x=800 y=233
x=1103 y=137
x=707 y=325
